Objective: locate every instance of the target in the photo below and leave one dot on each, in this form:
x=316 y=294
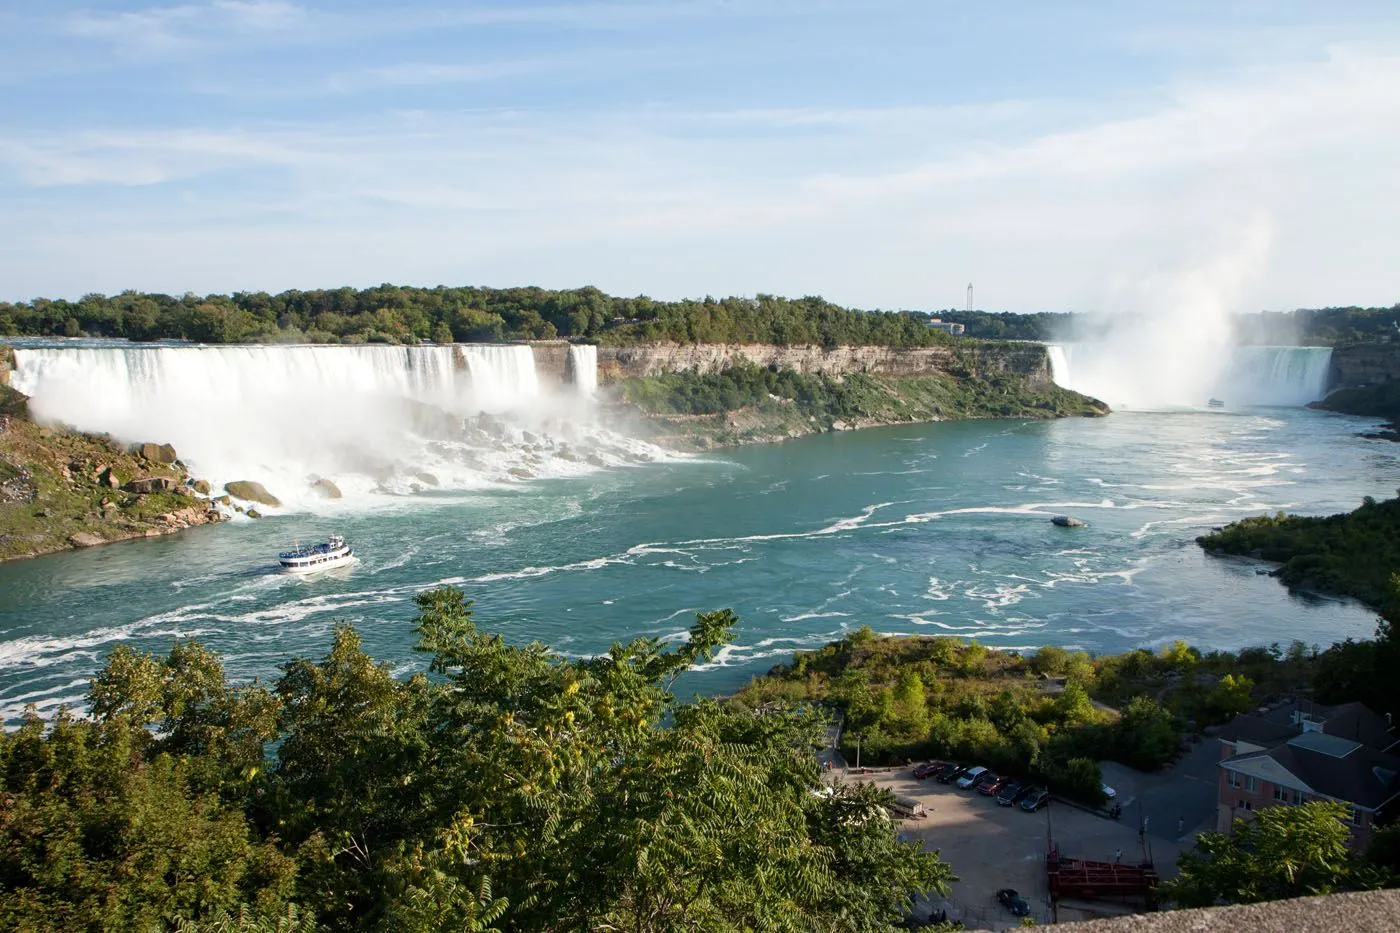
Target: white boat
x=333 y=552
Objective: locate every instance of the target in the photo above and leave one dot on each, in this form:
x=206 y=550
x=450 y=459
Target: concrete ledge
x=1361 y=912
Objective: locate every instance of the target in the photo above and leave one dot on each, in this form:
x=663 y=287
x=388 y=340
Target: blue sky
x=1062 y=156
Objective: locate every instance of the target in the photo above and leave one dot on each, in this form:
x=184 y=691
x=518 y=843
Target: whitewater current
x=939 y=529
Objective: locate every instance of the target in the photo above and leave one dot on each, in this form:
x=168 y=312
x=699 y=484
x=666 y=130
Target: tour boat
x=1215 y=403
x=333 y=552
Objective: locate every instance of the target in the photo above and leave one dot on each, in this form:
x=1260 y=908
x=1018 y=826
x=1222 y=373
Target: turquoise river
x=939 y=529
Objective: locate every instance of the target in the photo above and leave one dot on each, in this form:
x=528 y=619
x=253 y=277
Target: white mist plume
x=1179 y=350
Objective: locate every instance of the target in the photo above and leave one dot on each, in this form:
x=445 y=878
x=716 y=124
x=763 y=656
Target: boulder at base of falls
x=254 y=513
x=202 y=487
x=156 y=453
x=252 y=492
x=149 y=484
x=85 y=539
x=325 y=488
x=428 y=478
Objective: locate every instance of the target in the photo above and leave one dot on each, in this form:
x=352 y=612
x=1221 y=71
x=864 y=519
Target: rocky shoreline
x=62 y=489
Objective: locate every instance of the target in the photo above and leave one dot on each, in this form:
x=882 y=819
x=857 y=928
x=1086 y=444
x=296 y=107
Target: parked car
x=971 y=777
x=951 y=773
x=989 y=784
x=1108 y=792
x=927 y=769
x=1011 y=793
x=1037 y=798
x=1014 y=902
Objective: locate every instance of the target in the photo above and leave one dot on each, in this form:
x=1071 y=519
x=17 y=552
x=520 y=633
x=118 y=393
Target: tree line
x=504 y=789
x=401 y=314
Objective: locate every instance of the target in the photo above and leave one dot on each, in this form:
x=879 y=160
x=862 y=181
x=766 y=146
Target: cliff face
x=1028 y=360
x=1365 y=365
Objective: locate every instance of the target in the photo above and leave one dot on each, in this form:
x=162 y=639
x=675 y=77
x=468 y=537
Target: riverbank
x=1375 y=401
x=62 y=489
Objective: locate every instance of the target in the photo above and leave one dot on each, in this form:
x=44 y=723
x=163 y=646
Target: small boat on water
x=333 y=552
x=1215 y=403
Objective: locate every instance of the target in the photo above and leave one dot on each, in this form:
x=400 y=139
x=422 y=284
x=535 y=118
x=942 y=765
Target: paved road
x=1185 y=795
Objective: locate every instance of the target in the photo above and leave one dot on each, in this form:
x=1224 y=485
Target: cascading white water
x=370 y=418
x=583 y=368
x=1141 y=377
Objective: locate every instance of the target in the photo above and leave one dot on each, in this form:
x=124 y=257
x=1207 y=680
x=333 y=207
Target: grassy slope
x=49 y=492
x=693 y=411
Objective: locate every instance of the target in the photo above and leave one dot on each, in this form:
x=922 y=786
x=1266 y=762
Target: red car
x=927 y=769
x=989 y=783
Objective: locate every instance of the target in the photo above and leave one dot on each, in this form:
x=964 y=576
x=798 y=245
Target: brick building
x=1287 y=757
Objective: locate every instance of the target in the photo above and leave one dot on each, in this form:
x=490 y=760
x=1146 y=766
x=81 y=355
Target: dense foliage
x=1352 y=554
x=506 y=789
x=1282 y=852
x=406 y=314
x=965 y=392
x=401 y=314
x=1050 y=716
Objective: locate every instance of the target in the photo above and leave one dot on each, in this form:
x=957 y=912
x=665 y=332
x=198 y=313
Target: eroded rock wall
x=1028 y=359
x=1364 y=365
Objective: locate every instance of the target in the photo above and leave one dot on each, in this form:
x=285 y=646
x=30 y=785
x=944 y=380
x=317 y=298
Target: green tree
x=1282 y=852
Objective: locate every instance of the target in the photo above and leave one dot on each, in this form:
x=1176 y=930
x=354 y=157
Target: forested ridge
x=505 y=789
x=398 y=314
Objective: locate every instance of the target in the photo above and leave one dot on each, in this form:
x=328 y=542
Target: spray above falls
x=371 y=419
x=1145 y=377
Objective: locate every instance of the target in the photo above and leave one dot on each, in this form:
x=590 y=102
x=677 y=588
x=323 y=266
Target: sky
x=1067 y=156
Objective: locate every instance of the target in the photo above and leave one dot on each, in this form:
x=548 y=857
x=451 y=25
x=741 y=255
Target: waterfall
x=1291 y=376
x=583 y=368
x=1140 y=374
x=373 y=419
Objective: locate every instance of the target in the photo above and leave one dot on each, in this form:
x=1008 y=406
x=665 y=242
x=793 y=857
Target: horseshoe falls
x=1143 y=375
x=375 y=420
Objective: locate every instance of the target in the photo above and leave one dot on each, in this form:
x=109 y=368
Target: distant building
x=947 y=326
x=1287 y=757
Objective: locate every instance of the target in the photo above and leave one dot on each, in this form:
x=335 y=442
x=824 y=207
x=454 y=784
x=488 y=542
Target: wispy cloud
x=166 y=29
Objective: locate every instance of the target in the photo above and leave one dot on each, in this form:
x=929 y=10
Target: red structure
x=1088 y=880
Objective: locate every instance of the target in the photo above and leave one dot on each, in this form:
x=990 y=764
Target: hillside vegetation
x=60 y=489
x=1353 y=554
x=746 y=402
x=1049 y=717
x=506 y=789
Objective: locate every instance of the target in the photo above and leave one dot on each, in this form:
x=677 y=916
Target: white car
x=1108 y=792
x=968 y=779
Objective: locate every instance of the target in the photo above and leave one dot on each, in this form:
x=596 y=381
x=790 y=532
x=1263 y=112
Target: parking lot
x=991 y=847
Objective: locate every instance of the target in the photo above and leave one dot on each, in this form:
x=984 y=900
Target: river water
x=932 y=529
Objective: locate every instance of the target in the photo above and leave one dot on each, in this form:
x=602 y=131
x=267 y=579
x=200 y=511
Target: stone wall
x=1364 y=365
x=1026 y=359
x=551 y=362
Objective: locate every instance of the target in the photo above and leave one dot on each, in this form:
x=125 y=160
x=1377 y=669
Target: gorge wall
x=1364 y=365
x=1023 y=359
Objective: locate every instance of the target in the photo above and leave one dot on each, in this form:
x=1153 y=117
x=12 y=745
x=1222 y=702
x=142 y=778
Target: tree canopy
x=1282 y=852
x=403 y=314
x=504 y=789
